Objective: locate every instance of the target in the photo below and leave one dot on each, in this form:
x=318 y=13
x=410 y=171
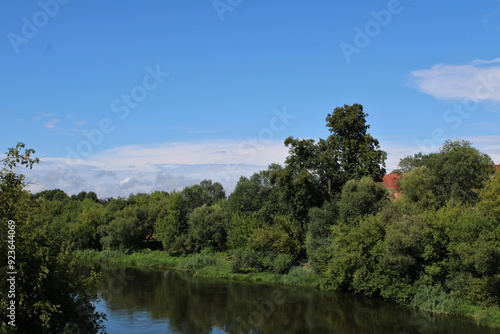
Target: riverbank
x=216 y=265
x=219 y=265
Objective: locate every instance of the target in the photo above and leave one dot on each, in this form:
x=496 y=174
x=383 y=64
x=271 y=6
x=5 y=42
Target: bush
x=197 y=261
x=303 y=276
x=240 y=228
x=245 y=261
x=361 y=197
x=281 y=263
x=282 y=235
x=108 y=254
x=435 y=299
x=318 y=236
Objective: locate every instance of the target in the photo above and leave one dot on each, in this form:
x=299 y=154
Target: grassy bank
x=435 y=299
x=217 y=265
x=221 y=265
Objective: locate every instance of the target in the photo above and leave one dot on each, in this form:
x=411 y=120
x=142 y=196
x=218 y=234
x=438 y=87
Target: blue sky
x=121 y=97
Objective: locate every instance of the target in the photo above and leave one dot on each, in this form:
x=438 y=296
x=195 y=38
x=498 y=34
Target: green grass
x=144 y=258
x=435 y=299
x=215 y=265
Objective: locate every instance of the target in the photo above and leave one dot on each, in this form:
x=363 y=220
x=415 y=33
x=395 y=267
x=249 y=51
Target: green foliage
x=84 y=228
x=357 y=152
x=240 y=228
x=206 y=192
x=489 y=196
x=361 y=198
x=403 y=245
x=245 y=261
x=197 y=261
x=315 y=170
x=407 y=164
x=461 y=170
x=356 y=249
x=171 y=226
x=419 y=186
x=281 y=263
x=295 y=191
x=318 y=235
x=302 y=276
x=52 y=195
x=128 y=229
x=50 y=295
x=455 y=173
x=252 y=195
x=207 y=228
x=435 y=299
x=282 y=235
x=455 y=247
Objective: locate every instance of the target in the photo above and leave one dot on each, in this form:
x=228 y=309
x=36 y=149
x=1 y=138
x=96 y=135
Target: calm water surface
x=155 y=301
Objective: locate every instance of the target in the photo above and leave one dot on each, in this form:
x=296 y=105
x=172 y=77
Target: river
x=164 y=301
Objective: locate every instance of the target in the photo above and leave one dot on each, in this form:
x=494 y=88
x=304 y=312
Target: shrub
x=245 y=261
x=281 y=263
x=197 y=261
x=435 y=299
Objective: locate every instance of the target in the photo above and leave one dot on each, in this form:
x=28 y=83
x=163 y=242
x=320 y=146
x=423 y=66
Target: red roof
x=390 y=181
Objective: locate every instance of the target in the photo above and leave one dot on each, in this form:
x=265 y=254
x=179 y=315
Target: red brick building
x=390 y=181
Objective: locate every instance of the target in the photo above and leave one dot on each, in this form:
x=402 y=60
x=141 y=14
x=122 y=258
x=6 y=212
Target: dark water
x=154 y=301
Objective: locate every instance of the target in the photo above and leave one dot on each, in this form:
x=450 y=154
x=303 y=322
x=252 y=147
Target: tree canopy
x=350 y=152
x=455 y=173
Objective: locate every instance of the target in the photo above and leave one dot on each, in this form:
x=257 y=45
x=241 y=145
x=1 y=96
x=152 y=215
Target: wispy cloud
x=41 y=115
x=485 y=62
x=478 y=81
x=125 y=181
x=489 y=126
x=51 y=124
x=80 y=123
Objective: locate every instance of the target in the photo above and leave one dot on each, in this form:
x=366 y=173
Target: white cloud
x=42 y=115
x=51 y=124
x=125 y=181
x=485 y=62
x=477 y=81
x=133 y=169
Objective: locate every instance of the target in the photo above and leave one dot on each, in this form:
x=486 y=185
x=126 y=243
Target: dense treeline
x=435 y=245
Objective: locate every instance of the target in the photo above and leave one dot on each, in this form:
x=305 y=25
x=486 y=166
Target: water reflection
x=145 y=301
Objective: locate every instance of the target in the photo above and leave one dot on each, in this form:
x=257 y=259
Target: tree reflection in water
x=141 y=300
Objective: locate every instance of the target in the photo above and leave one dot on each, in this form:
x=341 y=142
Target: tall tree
x=350 y=152
x=358 y=153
